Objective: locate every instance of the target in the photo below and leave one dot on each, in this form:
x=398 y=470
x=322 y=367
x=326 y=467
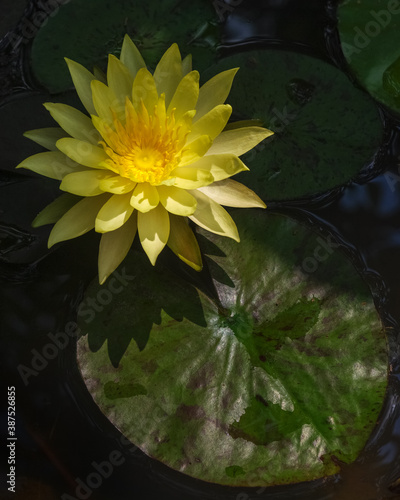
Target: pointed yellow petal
x=212 y=123
x=83 y=153
x=168 y=73
x=186 y=95
x=73 y=121
x=82 y=78
x=78 y=220
x=46 y=137
x=215 y=92
x=211 y=216
x=105 y=102
x=238 y=141
x=253 y=122
x=117 y=185
x=86 y=183
x=177 y=201
x=53 y=164
x=114 y=213
x=131 y=57
x=55 y=210
x=183 y=242
x=187 y=65
x=220 y=166
x=153 y=228
x=144 y=89
x=114 y=247
x=119 y=79
x=144 y=197
x=195 y=150
x=232 y=194
x=191 y=178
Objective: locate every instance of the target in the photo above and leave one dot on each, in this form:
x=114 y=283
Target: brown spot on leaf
x=202 y=378
x=187 y=412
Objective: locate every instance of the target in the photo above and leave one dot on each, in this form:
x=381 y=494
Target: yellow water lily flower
x=152 y=154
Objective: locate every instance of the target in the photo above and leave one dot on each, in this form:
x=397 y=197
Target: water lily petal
x=119 y=79
x=212 y=123
x=215 y=92
x=220 y=166
x=144 y=197
x=55 y=210
x=82 y=79
x=46 y=137
x=131 y=57
x=114 y=246
x=191 y=178
x=117 y=185
x=176 y=200
x=168 y=73
x=183 y=242
x=144 y=88
x=53 y=164
x=78 y=220
x=187 y=65
x=186 y=95
x=86 y=183
x=114 y=213
x=73 y=121
x=153 y=228
x=195 y=150
x=238 y=141
x=211 y=216
x=106 y=102
x=83 y=153
x=232 y=194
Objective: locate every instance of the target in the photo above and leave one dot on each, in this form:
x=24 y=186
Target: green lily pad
x=275 y=382
x=87 y=30
x=370 y=38
x=326 y=130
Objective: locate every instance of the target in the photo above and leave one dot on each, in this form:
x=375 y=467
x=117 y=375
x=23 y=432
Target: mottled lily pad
x=370 y=39
x=276 y=382
x=326 y=130
x=87 y=30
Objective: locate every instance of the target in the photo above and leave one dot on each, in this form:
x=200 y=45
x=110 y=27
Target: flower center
x=148 y=146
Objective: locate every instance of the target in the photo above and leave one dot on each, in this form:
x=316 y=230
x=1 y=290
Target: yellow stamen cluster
x=149 y=145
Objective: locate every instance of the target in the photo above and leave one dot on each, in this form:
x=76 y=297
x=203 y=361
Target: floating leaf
x=326 y=130
x=153 y=26
x=272 y=384
x=370 y=38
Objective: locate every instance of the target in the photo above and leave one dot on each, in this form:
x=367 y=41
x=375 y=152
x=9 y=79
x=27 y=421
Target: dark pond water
x=60 y=431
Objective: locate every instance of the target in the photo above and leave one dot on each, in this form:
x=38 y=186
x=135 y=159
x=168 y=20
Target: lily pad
x=87 y=30
x=370 y=38
x=326 y=130
x=276 y=382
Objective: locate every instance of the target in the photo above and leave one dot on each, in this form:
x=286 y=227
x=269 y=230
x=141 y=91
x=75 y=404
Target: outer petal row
x=78 y=220
x=238 y=141
x=53 y=164
x=211 y=216
x=114 y=247
x=232 y=194
x=46 y=137
x=168 y=73
x=73 y=121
